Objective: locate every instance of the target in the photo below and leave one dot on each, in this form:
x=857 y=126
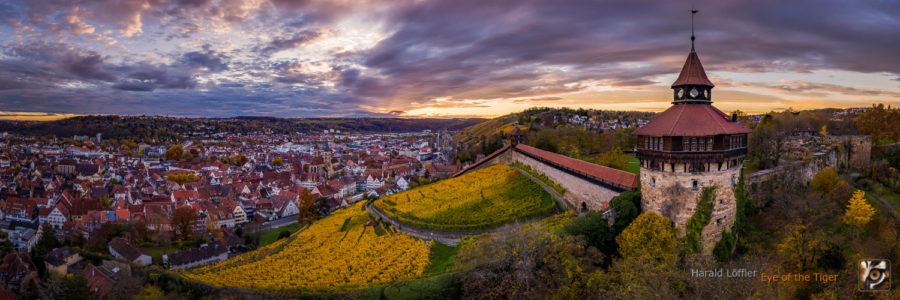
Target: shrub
x=626 y=207
x=595 y=230
x=650 y=236
x=701 y=217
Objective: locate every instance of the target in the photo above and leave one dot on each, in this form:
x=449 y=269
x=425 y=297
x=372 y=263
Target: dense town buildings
x=78 y=186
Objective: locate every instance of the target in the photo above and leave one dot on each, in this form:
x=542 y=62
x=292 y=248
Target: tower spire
x=693 y=12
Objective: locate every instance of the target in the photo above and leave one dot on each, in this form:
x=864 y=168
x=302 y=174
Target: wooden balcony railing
x=690 y=156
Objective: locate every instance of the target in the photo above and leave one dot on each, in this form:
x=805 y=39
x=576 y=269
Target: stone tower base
x=674 y=195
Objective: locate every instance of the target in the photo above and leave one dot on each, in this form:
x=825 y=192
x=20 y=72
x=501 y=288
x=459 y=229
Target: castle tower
x=690 y=146
x=515 y=135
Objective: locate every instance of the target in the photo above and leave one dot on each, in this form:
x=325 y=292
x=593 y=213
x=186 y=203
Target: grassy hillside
x=485 y=198
x=487 y=128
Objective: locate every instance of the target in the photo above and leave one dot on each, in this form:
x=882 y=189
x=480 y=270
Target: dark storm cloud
x=53 y=64
x=47 y=63
x=149 y=78
x=209 y=59
x=452 y=48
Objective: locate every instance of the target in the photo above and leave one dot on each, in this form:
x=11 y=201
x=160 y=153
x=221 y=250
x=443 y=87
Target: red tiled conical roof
x=691 y=120
x=692 y=72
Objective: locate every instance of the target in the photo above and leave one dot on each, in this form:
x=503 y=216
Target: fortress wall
x=579 y=190
x=853 y=151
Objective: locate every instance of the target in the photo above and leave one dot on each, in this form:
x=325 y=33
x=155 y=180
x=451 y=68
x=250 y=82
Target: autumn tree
x=800 y=246
x=278 y=161
x=614 y=158
x=881 y=123
x=650 y=236
x=826 y=181
x=182 y=178
x=306 y=207
x=764 y=143
x=240 y=160
x=105 y=202
x=174 y=153
x=526 y=261
x=183 y=220
x=859 y=212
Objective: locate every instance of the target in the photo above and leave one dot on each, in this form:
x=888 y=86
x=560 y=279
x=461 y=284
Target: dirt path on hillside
x=884 y=205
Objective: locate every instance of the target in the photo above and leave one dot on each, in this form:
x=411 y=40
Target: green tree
x=68 y=287
x=47 y=242
x=626 y=207
x=104 y=202
x=595 y=231
x=650 y=236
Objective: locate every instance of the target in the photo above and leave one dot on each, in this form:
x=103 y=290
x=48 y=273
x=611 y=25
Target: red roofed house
x=99 y=280
x=58 y=215
x=20 y=209
x=122 y=249
x=689 y=147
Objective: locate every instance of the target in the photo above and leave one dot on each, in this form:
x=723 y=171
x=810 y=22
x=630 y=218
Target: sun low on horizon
x=297 y=59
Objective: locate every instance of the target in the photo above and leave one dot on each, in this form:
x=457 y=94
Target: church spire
x=692 y=85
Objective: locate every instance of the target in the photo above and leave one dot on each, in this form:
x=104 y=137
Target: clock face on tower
x=694 y=93
x=680 y=93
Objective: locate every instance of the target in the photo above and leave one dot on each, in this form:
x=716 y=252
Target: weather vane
x=693 y=12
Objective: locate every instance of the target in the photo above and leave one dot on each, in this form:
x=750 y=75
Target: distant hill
x=560 y=130
x=172 y=128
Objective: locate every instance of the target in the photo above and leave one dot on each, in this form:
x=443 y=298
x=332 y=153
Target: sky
x=429 y=58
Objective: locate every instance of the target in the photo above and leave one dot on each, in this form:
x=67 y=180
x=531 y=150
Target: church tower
x=691 y=146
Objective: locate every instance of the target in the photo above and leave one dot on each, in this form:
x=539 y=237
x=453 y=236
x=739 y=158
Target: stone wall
x=672 y=195
x=854 y=152
x=450 y=238
x=580 y=193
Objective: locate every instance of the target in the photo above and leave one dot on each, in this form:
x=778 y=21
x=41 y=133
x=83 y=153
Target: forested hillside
x=141 y=127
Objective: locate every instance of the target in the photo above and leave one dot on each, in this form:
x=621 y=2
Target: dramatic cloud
x=290 y=42
x=332 y=58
